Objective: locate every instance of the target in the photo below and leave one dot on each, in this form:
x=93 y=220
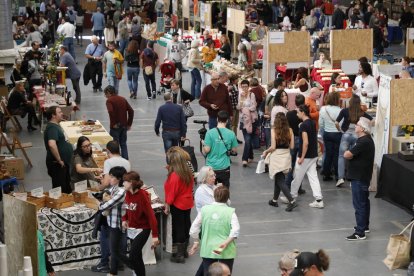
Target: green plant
x=54 y=61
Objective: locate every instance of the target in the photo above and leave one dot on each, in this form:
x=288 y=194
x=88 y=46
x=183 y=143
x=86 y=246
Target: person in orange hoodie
x=310 y=101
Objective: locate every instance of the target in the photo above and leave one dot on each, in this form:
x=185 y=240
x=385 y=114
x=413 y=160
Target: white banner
x=382 y=120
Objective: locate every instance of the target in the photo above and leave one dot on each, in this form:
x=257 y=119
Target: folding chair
x=14 y=145
x=9 y=116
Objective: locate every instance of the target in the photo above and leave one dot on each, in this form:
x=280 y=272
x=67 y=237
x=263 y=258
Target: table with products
x=395 y=182
x=68 y=236
x=94 y=130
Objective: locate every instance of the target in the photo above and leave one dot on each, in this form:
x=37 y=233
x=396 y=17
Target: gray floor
x=266 y=232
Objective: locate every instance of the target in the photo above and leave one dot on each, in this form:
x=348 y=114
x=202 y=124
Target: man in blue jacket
x=98 y=21
x=174 y=126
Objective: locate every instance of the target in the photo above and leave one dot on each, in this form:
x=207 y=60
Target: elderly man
x=94 y=53
x=68 y=30
x=311 y=21
x=72 y=72
x=19 y=105
x=218 y=269
x=215 y=97
x=361 y=163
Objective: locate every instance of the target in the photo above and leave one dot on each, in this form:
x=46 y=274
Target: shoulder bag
x=188 y=111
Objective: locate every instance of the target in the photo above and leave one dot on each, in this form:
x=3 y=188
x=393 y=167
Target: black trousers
x=115 y=244
x=135 y=261
x=96 y=74
x=28 y=109
x=223 y=176
x=181 y=223
x=150 y=85
x=280 y=185
x=207 y=262
x=75 y=84
x=60 y=175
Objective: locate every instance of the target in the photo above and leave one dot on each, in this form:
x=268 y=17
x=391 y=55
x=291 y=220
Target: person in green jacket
x=219 y=228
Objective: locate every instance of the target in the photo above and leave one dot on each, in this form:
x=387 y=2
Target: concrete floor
x=266 y=232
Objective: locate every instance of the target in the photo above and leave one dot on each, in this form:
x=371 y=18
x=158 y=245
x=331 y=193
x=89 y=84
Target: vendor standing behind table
x=94 y=53
x=176 y=51
x=225 y=49
x=83 y=166
x=215 y=97
x=59 y=151
x=73 y=73
x=365 y=85
x=322 y=62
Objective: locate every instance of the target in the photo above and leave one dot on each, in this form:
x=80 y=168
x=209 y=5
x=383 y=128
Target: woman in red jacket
x=138 y=220
x=178 y=189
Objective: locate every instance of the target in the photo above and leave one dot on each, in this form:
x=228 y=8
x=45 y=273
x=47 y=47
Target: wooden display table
x=73 y=131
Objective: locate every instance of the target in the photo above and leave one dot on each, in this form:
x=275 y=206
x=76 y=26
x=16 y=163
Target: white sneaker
x=340 y=182
x=316 y=204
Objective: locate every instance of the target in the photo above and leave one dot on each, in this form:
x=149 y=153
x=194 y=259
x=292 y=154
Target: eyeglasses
x=87 y=146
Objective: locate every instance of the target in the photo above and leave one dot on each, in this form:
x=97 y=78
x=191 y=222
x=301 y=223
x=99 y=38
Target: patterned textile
x=234 y=96
x=68 y=237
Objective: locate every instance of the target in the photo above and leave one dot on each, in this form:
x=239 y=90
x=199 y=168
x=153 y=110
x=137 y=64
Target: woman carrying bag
x=279 y=159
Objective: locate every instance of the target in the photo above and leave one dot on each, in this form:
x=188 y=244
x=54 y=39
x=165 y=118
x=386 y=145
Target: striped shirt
x=114 y=206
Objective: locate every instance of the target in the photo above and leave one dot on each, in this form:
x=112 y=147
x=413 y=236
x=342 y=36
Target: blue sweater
x=172 y=117
x=98 y=20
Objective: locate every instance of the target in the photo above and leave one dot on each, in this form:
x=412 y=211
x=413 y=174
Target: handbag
x=188 y=111
x=190 y=150
x=398 y=249
x=261 y=166
x=148 y=70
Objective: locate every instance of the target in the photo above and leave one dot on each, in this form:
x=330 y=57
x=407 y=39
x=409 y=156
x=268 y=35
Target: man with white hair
x=361 y=163
x=94 y=53
x=218 y=269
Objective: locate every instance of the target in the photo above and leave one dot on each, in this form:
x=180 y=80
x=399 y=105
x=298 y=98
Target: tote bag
x=398 y=249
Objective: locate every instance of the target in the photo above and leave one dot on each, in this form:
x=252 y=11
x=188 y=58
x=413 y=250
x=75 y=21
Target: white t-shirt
x=369 y=85
x=114 y=162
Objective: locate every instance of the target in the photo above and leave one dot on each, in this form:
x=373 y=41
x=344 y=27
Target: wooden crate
x=65 y=201
x=80 y=197
x=40 y=202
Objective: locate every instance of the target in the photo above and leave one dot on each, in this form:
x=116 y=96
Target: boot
x=187 y=242
x=173 y=252
x=179 y=256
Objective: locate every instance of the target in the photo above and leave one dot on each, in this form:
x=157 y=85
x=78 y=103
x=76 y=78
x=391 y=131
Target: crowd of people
x=289 y=136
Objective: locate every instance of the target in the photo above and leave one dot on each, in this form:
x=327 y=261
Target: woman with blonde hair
x=280 y=160
x=287 y=262
x=178 y=189
x=225 y=49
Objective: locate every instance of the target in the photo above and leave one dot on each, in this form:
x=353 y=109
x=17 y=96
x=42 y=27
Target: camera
x=202 y=131
x=231 y=153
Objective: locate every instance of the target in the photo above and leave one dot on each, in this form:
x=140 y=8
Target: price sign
x=55 y=193
x=81 y=186
x=38 y=192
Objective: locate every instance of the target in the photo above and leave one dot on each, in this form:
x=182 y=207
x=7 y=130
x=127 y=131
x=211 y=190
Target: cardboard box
x=4 y=91
x=15 y=166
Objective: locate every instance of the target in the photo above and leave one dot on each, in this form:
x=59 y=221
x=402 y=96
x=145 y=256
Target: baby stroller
x=168 y=73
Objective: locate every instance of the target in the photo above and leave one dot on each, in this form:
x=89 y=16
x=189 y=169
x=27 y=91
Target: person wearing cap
x=361 y=163
x=311 y=264
x=287 y=262
x=176 y=51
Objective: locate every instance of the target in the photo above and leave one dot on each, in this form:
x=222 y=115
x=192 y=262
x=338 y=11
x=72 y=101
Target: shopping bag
x=190 y=150
x=260 y=166
x=188 y=111
x=398 y=249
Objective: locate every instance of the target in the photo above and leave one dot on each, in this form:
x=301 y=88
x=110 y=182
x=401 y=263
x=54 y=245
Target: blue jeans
x=132 y=74
x=248 y=145
x=120 y=135
x=98 y=33
x=68 y=43
x=196 y=83
x=294 y=154
x=331 y=142
x=123 y=44
x=104 y=243
x=212 y=122
x=112 y=80
x=347 y=141
x=360 y=200
x=170 y=139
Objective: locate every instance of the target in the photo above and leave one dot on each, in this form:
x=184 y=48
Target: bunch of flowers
x=408 y=129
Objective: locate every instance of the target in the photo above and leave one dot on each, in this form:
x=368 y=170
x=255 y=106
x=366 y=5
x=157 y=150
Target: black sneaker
x=291 y=206
x=100 y=268
x=273 y=203
x=240 y=142
x=301 y=191
x=366 y=230
x=356 y=237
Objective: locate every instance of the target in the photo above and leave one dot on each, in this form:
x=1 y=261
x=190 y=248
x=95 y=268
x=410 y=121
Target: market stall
x=236 y=23
x=292 y=49
x=409 y=50
x=347 y=46
x=94 y=130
